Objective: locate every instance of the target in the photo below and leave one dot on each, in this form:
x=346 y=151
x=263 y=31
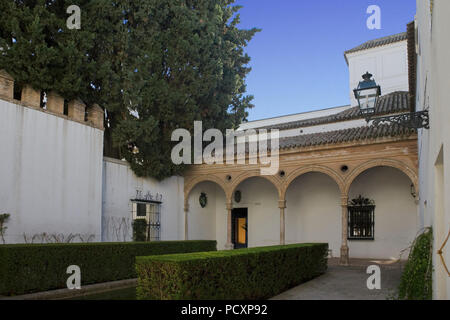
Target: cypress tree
x=153 y=65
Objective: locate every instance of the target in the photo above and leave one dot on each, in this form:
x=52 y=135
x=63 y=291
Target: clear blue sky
x=297 y=60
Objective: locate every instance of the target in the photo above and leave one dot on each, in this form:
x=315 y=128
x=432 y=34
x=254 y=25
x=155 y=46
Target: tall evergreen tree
x=189 y=63
x=153 y=65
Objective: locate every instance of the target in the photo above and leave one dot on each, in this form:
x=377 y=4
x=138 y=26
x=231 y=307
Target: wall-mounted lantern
x=367 y=94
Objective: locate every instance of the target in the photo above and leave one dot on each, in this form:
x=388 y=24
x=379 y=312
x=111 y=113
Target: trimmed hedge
x=26 y=268
x=256 y=273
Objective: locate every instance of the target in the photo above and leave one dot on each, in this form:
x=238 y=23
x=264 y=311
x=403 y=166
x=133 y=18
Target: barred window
x=141 y=210
x=151 y=212
x=361 y=219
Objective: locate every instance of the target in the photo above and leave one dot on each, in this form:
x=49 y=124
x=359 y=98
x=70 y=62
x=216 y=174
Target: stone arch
x=207 y=178
x=313 y=168
x=256 y=173
x=382 y=163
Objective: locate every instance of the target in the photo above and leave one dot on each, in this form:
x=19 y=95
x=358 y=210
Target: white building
x=385 y=59
x=327 y=158
x=433 y=94
x=56 y=181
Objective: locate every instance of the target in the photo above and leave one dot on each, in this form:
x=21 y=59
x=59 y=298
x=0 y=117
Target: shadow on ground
x=348 y=283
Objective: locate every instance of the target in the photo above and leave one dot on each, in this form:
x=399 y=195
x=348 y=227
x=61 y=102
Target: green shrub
x=28 y=268
x=416 y=281
x=255 y=273
x=139 y=230
x=4 y=217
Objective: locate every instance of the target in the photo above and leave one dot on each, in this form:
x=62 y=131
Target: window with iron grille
x=151 y=212
x=361 y=219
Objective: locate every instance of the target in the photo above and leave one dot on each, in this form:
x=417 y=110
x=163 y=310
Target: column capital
x=186 y=207
x=282 y=204
x=229 y=205
x=344 y=201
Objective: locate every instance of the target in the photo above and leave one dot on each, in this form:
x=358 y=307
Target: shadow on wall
x=117 y=229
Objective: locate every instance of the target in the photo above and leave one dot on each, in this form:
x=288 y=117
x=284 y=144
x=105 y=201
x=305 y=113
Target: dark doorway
x=239 y=227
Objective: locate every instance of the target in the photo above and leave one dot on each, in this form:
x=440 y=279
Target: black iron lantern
x=367 y=95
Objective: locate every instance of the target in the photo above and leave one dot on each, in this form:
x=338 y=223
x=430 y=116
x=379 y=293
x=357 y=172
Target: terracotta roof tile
x=379 y=42
x=346 y=135
x=394 y=102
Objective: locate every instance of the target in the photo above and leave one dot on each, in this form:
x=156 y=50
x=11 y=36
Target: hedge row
x=256 y=273
x=26 y=268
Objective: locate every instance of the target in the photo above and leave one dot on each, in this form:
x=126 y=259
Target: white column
x=344 y=245
x=186 y=211
x=282 y=206
x=229 y=245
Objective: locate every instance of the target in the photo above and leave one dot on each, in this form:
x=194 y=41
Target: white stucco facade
x=313 y=212
x=396 y=213
x=433 y=94
x=50 y=169
x=56 y=180
x=119 y=187
x=388 y=64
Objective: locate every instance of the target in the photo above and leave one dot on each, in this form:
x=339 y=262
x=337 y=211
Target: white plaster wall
x=388 y=64
x=202 y=221
x=261 y=199
x=313 y=212
x=120 y=185
x=433 y=68
x=396 y=214
x=210 y=223
x=221 y=218
x=50 y=174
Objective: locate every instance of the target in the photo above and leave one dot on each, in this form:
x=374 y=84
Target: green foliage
x=4 y=217
x=416 y=281
x=190 y=65
x=28 y=268
x=256 y=273
x=153 y=65
x=38 y=48
x=139 y=230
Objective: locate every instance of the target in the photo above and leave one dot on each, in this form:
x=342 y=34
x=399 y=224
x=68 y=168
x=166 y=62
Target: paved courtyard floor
x=348 y=283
